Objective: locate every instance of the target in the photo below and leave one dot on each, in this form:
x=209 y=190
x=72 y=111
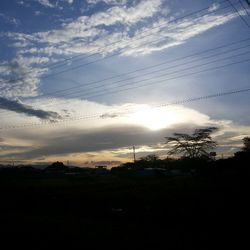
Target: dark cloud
x=109 y=138
x=9 y=147
x=18 y=107
x=108 y=116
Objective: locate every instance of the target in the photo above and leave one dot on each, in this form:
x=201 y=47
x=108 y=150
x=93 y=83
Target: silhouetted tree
x=148 y=161
x=56 y=167
x=246 y=142
x=196 y=145
x=212 y=155
x=150 y=158
x=245 y=153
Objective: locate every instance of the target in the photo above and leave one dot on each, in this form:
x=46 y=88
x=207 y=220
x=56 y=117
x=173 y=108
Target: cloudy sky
x=84 y=81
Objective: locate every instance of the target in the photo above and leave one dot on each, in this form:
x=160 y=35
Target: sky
x=85 y=81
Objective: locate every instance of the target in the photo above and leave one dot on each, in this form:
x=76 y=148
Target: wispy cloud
x=109 y=2
x=50 y=4
x=37 y=13
x=174 y=34
x=26 y=71
x=86 y=28
x=46 y=3
x=214 y=7
x=9 y=19
x=95 y=33
x=69 y=1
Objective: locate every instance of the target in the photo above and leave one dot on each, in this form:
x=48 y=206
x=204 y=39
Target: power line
x=117 y=42
x=116 y=76
x=145 y=68
x=105 y=57
x=97 y=94
x=243 y=7
x=115 y=54
x=142 y=69
x=237 y=12
x=159 y=70
x=248 y=2
x=100 y=116
x=173 y=78
x=183 y=101
x=162 y=25
x=134 y=86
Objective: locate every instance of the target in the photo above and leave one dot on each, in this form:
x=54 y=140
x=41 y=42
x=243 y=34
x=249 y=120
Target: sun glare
x=155 y=118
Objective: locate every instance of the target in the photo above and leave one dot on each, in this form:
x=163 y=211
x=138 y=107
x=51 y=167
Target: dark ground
x=42 y=211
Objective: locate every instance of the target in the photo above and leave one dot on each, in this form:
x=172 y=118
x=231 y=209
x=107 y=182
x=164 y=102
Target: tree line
x=194 y=151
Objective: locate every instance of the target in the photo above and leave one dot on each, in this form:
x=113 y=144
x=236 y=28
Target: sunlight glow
x=156 y=118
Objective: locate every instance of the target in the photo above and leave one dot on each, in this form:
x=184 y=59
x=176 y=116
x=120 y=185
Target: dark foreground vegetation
x=203 y=205
x=195 y=202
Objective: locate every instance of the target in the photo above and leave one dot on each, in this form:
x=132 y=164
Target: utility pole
x=134 y=153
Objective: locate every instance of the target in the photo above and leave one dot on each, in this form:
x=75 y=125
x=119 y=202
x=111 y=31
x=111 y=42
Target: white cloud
x=27 y=71
x=95 y=33
x=126 y=15
x=24 y=3
x=176 y=33
x=21 y=2
x=214 y=6
x=69 y=1
x=37 y=13
x=116 y=115
x=84 y=34
x=109 y=2
x=46 y=3
x=118 y=133
x=143 y=115
x=73 y=35
x=10 y=20
x=86 y=27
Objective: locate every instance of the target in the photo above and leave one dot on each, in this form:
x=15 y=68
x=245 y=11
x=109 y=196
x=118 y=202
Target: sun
x=155 y=118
